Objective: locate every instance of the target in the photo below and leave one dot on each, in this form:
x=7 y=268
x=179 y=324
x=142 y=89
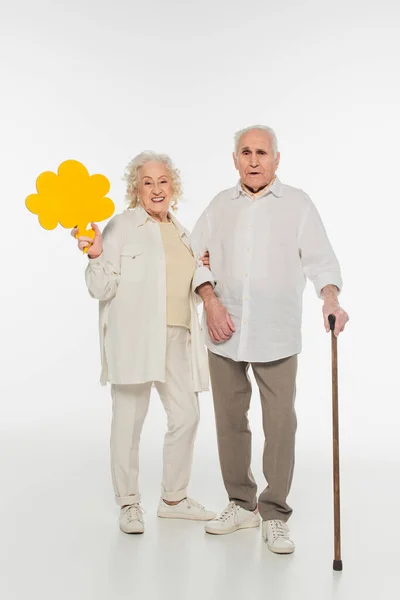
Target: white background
x=99 y=82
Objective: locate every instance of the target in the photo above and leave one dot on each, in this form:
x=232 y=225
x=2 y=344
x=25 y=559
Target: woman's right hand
x=205 y=259
x=95 y=246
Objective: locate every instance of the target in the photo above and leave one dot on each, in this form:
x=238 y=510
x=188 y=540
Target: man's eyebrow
x=257 y=149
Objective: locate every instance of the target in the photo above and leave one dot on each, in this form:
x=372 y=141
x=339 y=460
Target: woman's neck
x=159 y=217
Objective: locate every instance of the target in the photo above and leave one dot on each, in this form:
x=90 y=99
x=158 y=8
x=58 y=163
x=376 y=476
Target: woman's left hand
x=205 y=259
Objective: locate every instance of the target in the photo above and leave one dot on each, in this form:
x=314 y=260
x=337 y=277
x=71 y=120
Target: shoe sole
x=278 y=550
x=281 y=550
x=183 y=516
x=248 y=525
x=131 y=532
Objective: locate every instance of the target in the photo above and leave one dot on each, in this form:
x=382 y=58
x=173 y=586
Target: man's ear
x=277 y=159
x=235 y=161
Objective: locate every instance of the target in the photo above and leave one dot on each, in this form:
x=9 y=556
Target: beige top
x=180 y=266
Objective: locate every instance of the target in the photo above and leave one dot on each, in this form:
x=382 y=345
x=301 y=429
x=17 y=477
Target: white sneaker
x=131 y=519
x=186 y=509
x=277 y=535
x=234 y=517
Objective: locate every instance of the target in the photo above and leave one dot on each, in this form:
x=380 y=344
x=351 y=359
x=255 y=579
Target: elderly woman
x=142 y=271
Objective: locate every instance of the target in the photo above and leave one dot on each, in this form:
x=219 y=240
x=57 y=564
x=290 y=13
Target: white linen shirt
x=129 y=280
x=261 y=251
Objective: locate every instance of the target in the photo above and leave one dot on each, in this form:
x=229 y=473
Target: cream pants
x=130 y=406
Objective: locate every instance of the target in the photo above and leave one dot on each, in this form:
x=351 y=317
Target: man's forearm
x=206 y=293
x=330 y=295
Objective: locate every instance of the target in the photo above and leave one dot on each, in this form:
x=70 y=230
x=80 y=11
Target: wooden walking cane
x=337 y=563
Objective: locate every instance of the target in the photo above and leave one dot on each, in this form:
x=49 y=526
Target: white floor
x=60 y=537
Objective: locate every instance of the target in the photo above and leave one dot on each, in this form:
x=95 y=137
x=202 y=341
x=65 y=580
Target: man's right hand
x=219 y=322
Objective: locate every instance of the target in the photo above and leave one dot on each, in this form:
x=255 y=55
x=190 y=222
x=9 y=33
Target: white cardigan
x=129 y=280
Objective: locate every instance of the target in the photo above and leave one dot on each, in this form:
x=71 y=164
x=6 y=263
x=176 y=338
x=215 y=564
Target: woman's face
x=155 y=189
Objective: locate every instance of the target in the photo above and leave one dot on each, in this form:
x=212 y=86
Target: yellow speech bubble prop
x=71 y=197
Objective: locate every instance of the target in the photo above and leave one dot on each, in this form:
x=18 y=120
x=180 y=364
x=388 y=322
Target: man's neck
x=252 y=190
x=259 y=191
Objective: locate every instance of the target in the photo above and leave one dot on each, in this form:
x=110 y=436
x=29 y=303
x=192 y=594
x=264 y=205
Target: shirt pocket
x=132 y=264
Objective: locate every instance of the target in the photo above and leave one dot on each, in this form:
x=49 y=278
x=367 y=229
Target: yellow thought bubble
x=71 y=197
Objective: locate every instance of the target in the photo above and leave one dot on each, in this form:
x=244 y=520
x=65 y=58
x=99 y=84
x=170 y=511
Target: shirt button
x=246 y=274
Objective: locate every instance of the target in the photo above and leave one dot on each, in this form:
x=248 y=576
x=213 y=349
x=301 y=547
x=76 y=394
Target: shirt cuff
x=97 y=261
x=202 y=275
x=325 y=279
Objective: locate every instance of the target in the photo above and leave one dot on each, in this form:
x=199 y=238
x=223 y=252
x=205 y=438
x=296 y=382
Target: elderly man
x=264 y=238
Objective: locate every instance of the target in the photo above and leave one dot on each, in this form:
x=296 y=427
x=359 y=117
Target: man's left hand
x=341 y=317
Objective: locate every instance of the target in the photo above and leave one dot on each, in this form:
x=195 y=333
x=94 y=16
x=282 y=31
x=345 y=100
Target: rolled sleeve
x=199 y=241
x=325 y=279
x=100 y=261
x=202 y=275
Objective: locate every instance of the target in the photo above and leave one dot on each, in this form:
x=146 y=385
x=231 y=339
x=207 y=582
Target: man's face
x=256 y=160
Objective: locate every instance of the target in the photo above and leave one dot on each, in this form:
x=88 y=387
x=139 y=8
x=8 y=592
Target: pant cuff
x=173 y=496
x=250 y=506
x=269 y=516
x=128 y=500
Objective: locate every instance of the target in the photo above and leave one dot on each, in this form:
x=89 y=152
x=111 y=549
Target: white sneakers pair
x=275 y=532
x=131 y=518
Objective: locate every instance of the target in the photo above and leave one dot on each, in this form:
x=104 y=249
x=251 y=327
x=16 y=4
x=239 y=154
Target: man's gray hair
x=268 y=130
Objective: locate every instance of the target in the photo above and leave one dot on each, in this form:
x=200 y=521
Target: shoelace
x=134 y=512
x=230 y=510
x=190 y=502
x=279 y=529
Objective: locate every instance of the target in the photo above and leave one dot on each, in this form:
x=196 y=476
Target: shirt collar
x=275 y=188
x=143 y=217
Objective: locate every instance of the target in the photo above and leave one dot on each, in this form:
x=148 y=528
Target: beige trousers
x=232 y=393
x=130 y=406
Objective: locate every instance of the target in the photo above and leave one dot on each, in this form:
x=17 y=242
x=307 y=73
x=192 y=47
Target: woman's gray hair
x=132 y=178
x=269 y=130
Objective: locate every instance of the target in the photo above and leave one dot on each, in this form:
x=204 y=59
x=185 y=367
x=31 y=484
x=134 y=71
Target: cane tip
x=337 y=565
